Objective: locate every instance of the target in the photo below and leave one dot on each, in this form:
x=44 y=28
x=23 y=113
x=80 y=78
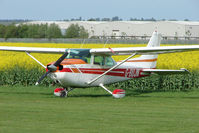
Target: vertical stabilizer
x=149 y=61
x=154 y=40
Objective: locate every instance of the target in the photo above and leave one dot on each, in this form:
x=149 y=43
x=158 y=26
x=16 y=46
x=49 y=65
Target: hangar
x=168 y=29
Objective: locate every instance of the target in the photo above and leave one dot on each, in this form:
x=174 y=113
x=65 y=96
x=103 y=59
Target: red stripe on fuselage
x=111 y=73
x=129 y=73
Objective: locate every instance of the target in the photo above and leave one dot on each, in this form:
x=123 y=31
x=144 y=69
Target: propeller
x=52 y=67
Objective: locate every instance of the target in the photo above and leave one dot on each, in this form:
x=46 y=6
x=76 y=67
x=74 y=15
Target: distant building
x=118 y=29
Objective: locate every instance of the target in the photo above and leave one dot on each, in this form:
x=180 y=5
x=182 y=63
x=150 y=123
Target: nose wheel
x=62 y=92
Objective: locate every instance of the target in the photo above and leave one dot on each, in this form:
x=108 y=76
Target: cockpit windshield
x=83 y=54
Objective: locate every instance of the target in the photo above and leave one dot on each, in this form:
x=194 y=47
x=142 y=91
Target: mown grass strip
x=35 y=109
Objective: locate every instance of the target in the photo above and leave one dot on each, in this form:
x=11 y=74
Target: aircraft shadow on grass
x=51 y=94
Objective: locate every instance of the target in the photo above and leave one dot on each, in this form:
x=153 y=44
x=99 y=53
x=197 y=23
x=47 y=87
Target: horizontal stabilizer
x=167 y=71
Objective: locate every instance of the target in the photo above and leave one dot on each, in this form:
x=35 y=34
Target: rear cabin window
x=103 y=60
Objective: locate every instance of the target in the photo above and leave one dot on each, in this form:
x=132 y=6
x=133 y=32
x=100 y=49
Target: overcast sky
x=125 y=9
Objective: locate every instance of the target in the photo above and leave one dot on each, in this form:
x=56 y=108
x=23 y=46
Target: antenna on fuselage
x=105 y=43
x=82 y=43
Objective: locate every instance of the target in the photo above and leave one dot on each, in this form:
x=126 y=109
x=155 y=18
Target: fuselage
x=77 y=73
x=80 y=67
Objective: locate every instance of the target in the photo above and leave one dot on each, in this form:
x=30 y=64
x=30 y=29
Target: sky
x=125 y=9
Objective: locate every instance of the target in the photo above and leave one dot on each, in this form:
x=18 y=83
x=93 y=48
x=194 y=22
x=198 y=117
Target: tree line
x=42 y=31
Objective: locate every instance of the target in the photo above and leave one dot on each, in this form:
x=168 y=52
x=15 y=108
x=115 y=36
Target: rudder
x=150 y=61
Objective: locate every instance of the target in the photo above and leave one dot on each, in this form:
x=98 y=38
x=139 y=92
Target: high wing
x=109 y=51
x=34 y=49
x=144 y=50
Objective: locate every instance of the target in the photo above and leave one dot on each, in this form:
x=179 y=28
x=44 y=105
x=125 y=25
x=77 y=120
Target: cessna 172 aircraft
x=95 y=67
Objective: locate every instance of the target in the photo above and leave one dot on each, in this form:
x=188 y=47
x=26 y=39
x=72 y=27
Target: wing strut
x=101 y=85
x=117 y=93
x=35 y=59
x=90 y=82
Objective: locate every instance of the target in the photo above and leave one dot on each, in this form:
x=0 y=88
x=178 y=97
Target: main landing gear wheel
x=117 y=93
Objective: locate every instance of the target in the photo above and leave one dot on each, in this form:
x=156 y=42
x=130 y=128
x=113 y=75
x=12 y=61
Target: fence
x=100 y=41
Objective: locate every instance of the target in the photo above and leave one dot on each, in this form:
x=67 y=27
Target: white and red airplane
x=95 y=67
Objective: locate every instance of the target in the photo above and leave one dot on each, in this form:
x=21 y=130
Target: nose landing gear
x=62 y=92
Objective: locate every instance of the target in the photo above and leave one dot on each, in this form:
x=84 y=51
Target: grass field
x=35 y=109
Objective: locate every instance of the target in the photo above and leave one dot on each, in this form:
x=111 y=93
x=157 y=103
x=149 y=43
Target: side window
x=99 y=60
x=88 y=60
x=109 y=61
x=103 y=60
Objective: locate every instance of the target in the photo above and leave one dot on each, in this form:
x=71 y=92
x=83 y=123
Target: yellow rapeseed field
x=9 y=60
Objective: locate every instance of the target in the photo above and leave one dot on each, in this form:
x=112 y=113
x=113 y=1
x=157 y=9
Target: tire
x=63 y=94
